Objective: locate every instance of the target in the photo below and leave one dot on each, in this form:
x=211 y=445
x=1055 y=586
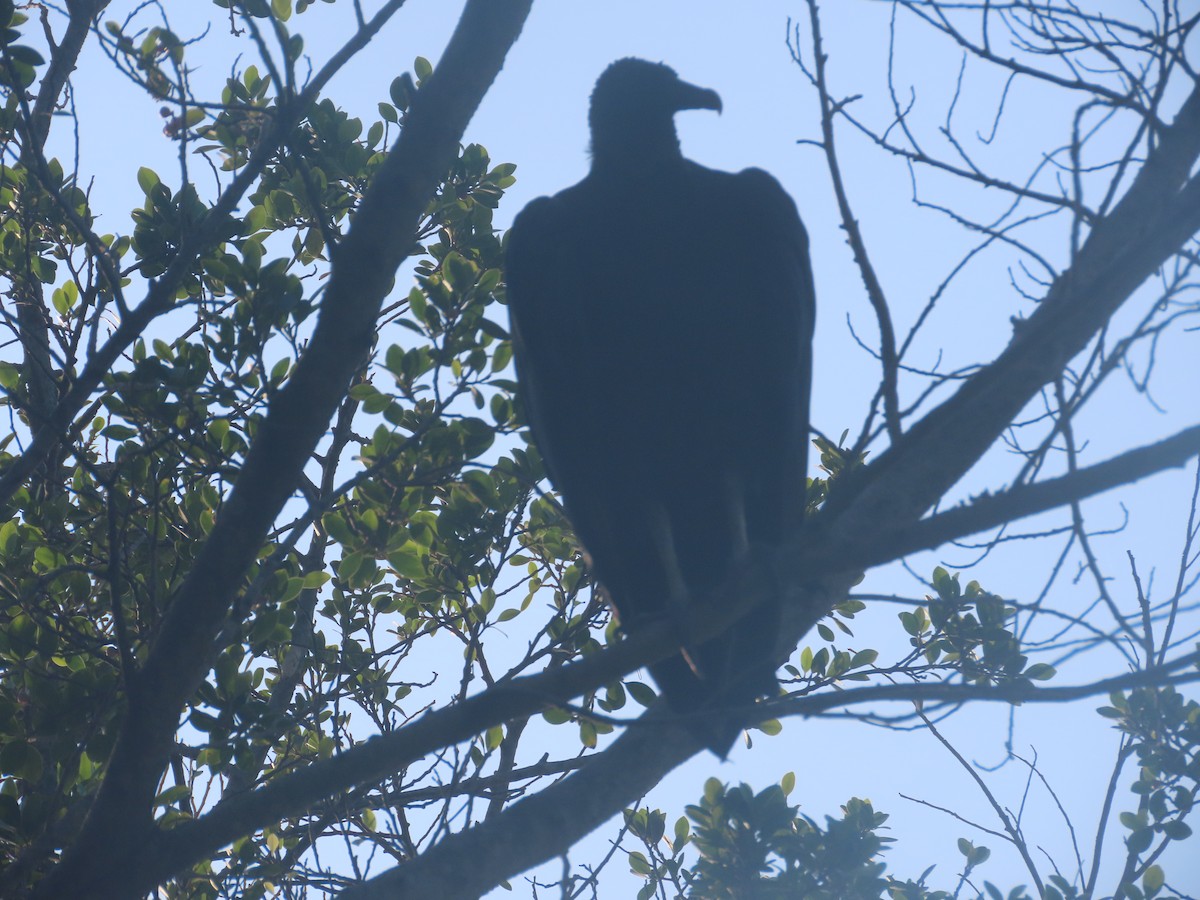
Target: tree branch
x=1154 y=219
x=1015 y=692
x=80 y=14
x=542 y=826
x=548 y=823
x=32 y=318
x=854 y=236
x=384 y=755
x=160 y=297
x=108 y=860
x=1027 y=500
x=381 y=756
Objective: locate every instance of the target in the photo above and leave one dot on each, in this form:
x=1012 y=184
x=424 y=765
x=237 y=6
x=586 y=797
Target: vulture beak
x=689 y=96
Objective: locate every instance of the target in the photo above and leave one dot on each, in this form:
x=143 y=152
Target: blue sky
x=535 y=116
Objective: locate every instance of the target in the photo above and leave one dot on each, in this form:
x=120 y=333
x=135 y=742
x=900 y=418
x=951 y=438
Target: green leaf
x=1040 y=672
x=173 y=795
x=8 y=534
x=864 y=658
x=502 y=356
x=118 y=432
x=147 y=179
x=820 y=660
x=493 y=737
x=639 y=865
x=401 y=90
x=683 y=830
x=1177 y=830
x=44 y=269
x=1153 y=879
x=315 y=579
x=408 y=561
x=63 y=299
x=21 y=760
x=280 y=370
x=641 y=692
x=292 y=590
x=1139 y=841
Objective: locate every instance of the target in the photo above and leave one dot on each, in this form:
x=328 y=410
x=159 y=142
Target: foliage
x=415 y=562
x=758 y=846
x=417 y=544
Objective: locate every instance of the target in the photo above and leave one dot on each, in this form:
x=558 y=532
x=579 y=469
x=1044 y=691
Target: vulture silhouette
x=662 y=318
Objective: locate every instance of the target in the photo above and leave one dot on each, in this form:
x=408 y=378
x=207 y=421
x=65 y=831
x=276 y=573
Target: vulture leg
x=678 y=597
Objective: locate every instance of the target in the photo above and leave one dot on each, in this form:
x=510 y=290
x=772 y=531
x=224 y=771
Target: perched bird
x=662 y=318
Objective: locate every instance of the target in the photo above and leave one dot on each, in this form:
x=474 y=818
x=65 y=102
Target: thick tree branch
x=550 y=822
x=80 y=14
x=108 y=860
x=542 y=826
x=384 y=755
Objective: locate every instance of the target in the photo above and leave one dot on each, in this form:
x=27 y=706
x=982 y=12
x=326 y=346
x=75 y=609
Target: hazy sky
x=535 y=116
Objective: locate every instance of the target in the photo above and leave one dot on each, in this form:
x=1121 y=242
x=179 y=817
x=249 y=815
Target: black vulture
x=662 y=318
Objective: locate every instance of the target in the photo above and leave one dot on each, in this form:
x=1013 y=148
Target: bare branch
x=993 y=510
x=1148 y=225
x=887 y=335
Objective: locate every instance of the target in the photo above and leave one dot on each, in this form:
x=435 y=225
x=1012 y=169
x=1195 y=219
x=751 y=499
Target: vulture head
x=632 y=115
